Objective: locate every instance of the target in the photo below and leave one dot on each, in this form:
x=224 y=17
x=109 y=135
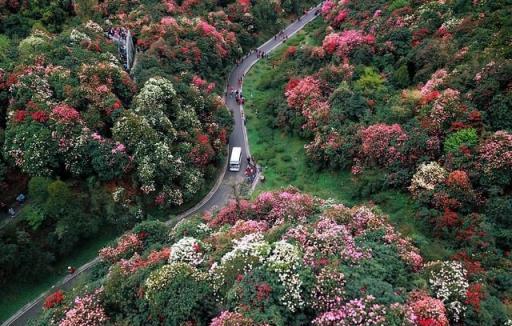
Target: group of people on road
x=235 y=93
x=261 y=54
x=250 y=171
x=282 y=36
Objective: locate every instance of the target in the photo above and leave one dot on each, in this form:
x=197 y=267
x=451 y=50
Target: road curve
x=221 y=193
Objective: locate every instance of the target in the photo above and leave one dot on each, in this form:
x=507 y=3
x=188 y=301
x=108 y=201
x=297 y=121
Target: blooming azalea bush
x=87 y=310
x=128 y=243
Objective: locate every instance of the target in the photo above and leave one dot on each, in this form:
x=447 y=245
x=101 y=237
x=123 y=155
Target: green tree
x=265 y=15
x=401 y=77
x=464 y=137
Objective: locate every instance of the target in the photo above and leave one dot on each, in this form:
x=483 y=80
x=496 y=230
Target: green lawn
x=284 y=162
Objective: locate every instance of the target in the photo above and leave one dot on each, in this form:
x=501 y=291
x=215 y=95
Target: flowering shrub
x=355 y=312
x=187 y=250
x=86 y=311
x=136 y=262
x=227 y=318
x=343 y=43
x=448 y=283
x=284 y=261
x=329 y=291
x=127 y=243
x=249 y=226
x=65 y=113
x=165 y=275
x=381 y=143
x=459 y=179
x=427 y=177
x=305 y=95
x=496 y=153
x=434 y=82
x=53 y=299
x=428 y=311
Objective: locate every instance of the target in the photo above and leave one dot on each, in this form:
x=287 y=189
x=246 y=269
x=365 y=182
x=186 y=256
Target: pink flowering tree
x=305 y=95
x=495 y=157
x=342 y=44
x=382 y=144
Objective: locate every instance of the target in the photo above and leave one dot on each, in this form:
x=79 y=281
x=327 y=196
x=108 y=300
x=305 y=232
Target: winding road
x=221 y=193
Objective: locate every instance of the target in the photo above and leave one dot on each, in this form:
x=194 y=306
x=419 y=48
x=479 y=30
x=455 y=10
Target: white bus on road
x=235 y=160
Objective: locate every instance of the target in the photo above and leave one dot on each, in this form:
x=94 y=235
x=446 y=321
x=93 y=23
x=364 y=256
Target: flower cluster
x=459 y=179
x=343 y=43
x=329 y=290
x=86 y=311
x=127 y=243
x=136 y=262
x=53 y=299
x=227 y=318
x=247 y=252
x=284 y=261
x=250 y=226
x=449 y=284
x=187 y=250
x=428 y=311
x=434 y=82
x=357 y=312
x=427 y=177
x=496 y=152
x=65 y=113
x=327 y=239
x=381 y=143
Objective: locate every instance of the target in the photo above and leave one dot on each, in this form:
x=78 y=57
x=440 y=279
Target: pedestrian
x=248 y=160
x=12 y=212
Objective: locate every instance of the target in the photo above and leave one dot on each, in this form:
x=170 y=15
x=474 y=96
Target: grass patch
x=283 y=158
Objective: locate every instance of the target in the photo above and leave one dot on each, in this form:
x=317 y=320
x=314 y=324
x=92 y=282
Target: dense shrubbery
x=102 y=145
x=285 y=258
x=414 y=95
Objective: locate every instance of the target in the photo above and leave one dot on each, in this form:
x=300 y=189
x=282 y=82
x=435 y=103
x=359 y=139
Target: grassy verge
x=284 y=162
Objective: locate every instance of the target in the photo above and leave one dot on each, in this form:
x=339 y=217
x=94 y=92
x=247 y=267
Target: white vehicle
x=235 y=160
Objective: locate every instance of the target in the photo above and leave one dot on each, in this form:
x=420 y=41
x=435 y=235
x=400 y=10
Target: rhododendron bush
x=287 y=255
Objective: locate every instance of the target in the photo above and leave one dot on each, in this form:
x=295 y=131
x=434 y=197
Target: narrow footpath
x=221 y=193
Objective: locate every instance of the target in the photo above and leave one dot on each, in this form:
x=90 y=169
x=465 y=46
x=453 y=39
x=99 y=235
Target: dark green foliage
x=348 y=104
x=500 y=112
x=498 y=211
x=154 y=232
x=401 y=77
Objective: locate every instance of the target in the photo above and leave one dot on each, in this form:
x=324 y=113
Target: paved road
x=222 y=191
